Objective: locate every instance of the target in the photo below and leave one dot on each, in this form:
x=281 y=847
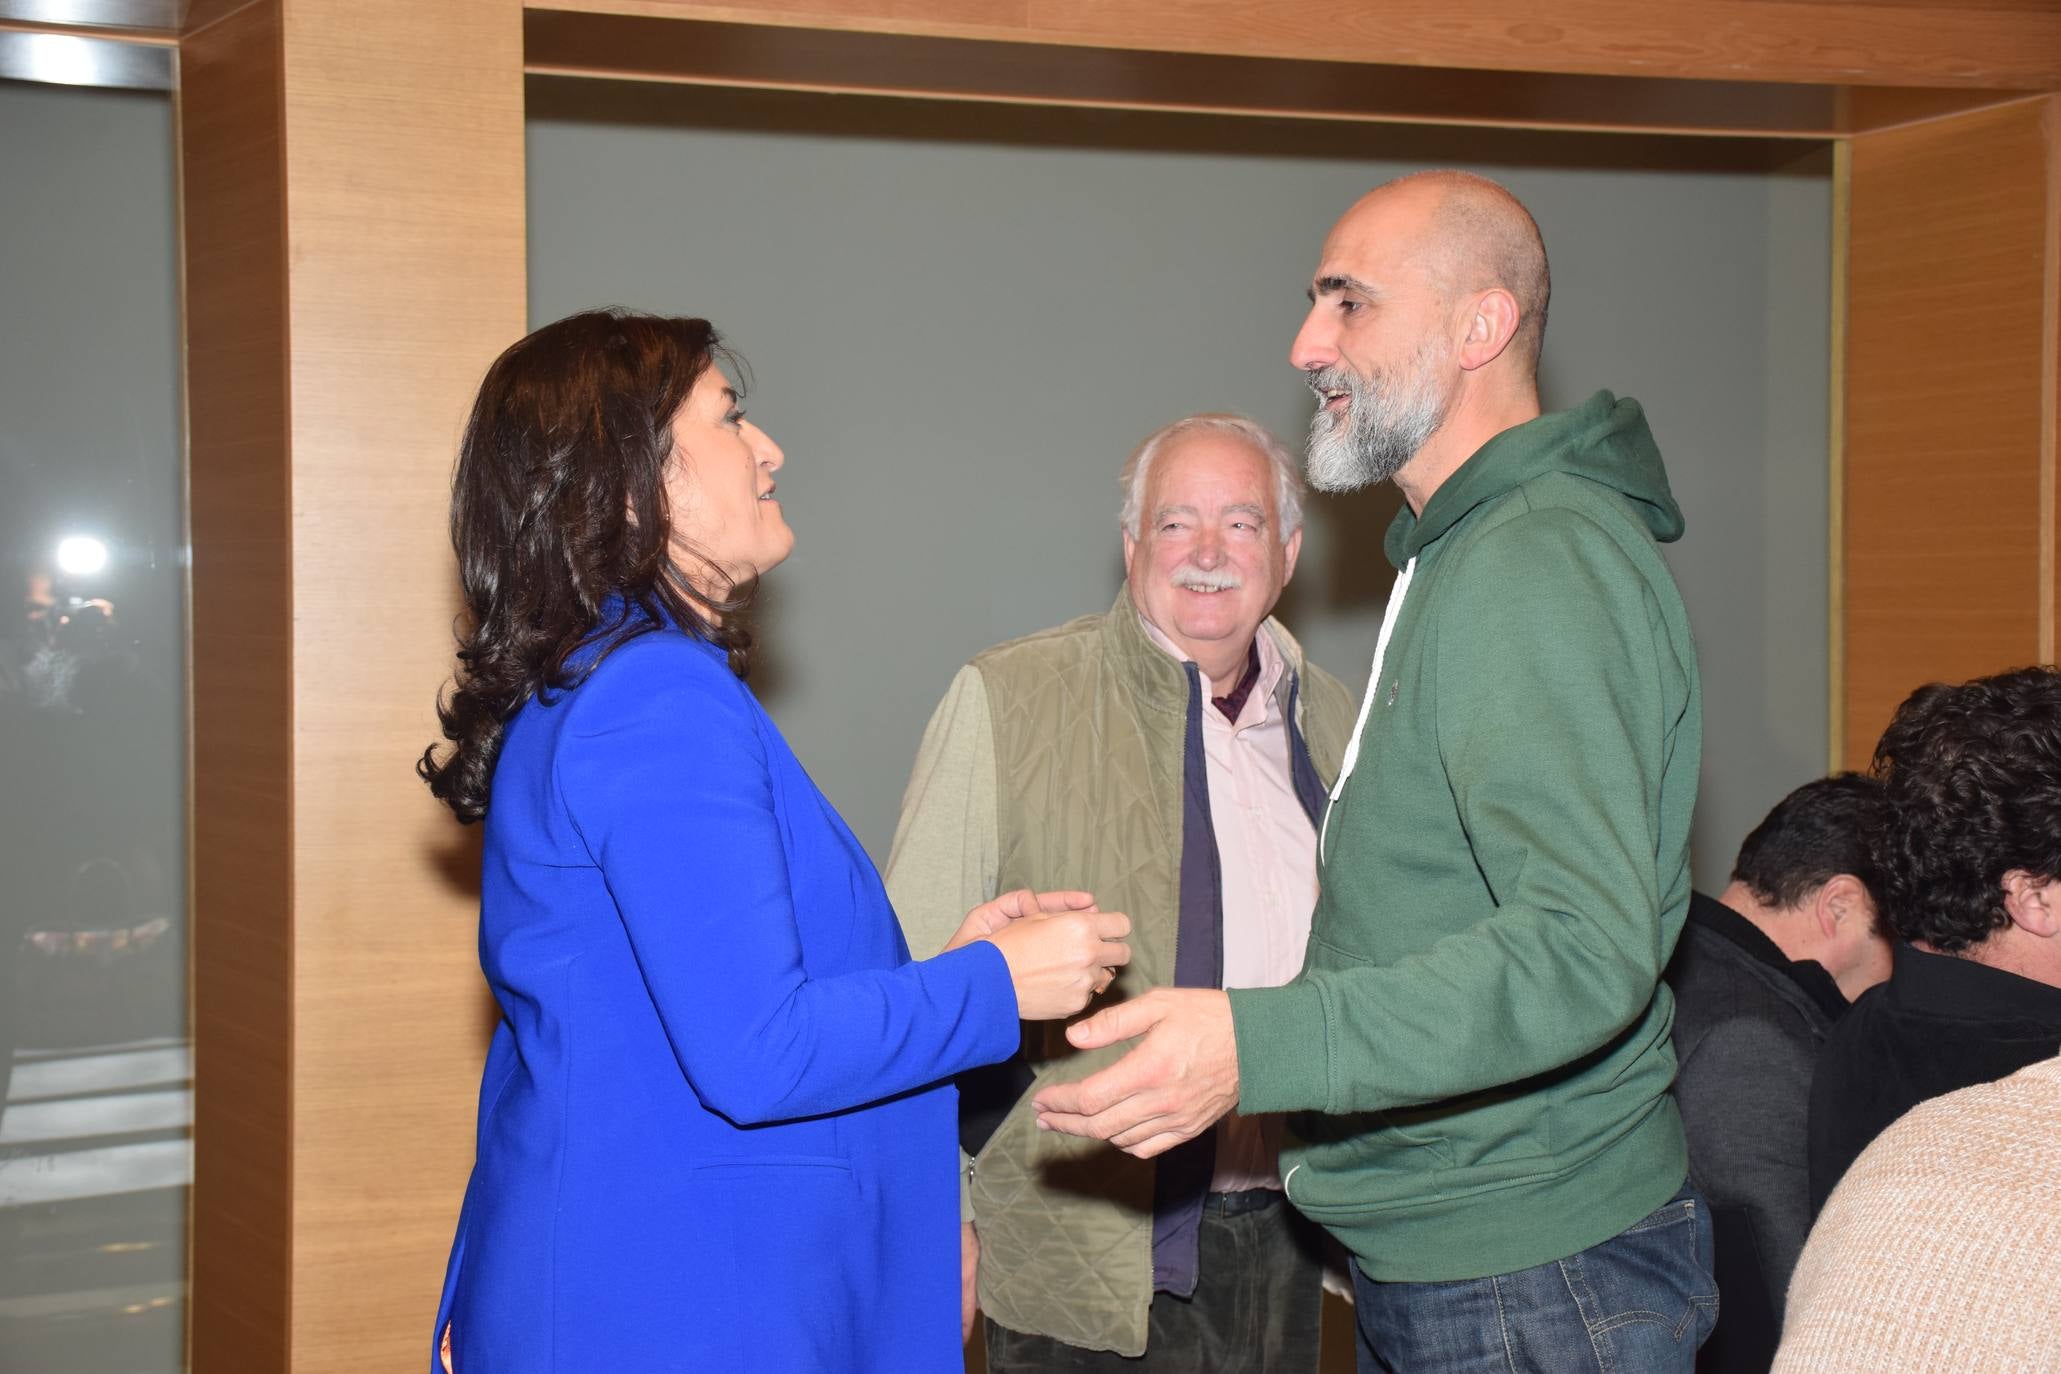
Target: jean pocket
x=1652 y=1280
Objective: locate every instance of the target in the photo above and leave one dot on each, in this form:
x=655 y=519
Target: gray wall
x=959 y=320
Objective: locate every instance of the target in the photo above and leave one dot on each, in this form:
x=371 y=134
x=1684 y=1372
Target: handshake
x=1061 y=951
x=1181 y=1077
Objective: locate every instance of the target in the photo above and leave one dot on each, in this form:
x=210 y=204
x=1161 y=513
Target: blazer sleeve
x=946 y=861
x=665 y=774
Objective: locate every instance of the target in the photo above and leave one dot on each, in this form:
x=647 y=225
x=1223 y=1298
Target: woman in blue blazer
x=716 y=1128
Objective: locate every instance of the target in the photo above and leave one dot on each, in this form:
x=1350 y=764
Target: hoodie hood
x=1604 y=440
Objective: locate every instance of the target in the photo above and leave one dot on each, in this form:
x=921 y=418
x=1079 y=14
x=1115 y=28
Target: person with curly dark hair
x=716 y=1127
x=1969 y=866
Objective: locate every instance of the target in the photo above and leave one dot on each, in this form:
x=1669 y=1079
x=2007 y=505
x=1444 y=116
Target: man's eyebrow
x=1248 y=508
x=1161 y=512
x=1334 y=284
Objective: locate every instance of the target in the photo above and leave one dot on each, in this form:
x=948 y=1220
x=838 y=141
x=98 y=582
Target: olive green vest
x=1089 y=723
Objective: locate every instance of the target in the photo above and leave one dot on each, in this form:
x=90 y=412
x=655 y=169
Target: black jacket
x=1939 y=1024
x=1748 y=1025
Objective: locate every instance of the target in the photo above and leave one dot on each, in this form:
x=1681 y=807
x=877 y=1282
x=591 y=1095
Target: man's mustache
x=1331 y=381
x=1204 y=580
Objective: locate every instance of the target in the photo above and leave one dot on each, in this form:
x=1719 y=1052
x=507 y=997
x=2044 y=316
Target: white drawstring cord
x=1389 y=617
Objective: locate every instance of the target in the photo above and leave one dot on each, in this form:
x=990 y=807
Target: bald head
x=1427 y=310
x=1467 y=234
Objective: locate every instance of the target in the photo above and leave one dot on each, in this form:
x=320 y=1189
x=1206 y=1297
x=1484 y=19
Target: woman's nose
x=763 y=448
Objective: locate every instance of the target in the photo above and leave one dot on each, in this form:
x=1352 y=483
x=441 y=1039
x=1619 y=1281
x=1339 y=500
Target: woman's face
x=720 y=486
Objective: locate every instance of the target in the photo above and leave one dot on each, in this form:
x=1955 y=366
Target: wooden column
x=1949 y=406
x=352 y=178
x=233 y=200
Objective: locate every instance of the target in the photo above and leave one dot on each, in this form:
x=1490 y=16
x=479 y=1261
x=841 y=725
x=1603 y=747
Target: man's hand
x=1174 y=1085
x=969 y=1277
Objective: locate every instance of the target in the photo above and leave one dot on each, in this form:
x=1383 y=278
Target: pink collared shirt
x=1267 y=853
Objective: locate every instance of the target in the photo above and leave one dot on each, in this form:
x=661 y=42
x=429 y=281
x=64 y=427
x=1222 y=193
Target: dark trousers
x=1258 y=1300
x=1638 y=1303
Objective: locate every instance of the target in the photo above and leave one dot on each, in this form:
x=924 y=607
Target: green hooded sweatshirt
x=1479 y=1035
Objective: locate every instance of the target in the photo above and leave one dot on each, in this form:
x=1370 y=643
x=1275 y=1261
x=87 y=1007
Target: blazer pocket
x=775 y=1162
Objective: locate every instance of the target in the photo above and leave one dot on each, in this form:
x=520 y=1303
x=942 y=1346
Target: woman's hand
x=989 y=917
x=1058 y=960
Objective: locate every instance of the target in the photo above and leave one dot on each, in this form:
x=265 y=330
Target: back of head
x=558 y=513
x=1823 y=829
x=1973 y=778
x=1480 y=236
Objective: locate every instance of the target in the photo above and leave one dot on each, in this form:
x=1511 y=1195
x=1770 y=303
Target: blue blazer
x=716 y=1128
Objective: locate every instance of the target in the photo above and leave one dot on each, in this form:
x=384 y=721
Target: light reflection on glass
x=96 y=1071
x=81 y=555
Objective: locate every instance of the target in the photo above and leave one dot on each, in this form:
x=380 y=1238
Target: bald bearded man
x=1478 y=1041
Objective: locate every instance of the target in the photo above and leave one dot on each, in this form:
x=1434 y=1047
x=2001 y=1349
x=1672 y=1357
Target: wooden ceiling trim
x=2014 y=46
x=759 y=56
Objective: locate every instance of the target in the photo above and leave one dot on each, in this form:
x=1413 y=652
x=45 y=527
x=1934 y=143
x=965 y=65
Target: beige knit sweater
x=1940 y=1250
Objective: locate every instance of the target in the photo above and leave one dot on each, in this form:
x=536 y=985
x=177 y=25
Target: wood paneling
x=2050 y=406
x=846 y=62
x=1835 y=449
x=405 y=192
x=354 y=226
x=1867 y=109
x=233 y=227
x=1833 y=42
x=195 y=15
x=855 y=60
x=1948 y=408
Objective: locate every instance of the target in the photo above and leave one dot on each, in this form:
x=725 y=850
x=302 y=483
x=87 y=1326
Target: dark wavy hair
x=560 y=522
x=1823 y=829
x=1973 y=777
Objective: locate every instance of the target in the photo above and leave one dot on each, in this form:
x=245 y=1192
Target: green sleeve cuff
x=1284 y=1049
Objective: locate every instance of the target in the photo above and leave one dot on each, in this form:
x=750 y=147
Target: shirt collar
x=1808 y=974
x=1949 y=985
x=1271 y=666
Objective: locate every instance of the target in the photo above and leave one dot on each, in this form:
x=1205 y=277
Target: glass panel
x=96 y=1098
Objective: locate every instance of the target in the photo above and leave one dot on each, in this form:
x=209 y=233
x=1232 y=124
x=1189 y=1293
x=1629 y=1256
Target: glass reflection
x=96 y=1090
x=96 y=1100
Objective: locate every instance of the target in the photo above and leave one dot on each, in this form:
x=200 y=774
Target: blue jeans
x=1639 y=1303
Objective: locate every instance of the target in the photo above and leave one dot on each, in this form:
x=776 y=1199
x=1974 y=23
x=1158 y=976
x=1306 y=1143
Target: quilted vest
x=1088 y=723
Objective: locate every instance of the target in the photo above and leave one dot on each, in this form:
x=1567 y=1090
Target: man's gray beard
x=1386 y=420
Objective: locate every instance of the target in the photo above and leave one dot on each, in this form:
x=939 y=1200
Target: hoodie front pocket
x=1348 y=1174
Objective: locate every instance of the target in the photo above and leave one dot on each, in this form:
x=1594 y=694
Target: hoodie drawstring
x=1389 y=617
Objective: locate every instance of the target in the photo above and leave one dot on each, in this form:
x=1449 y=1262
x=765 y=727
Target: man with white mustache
x=1478 y=1044
x=1170 y=756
